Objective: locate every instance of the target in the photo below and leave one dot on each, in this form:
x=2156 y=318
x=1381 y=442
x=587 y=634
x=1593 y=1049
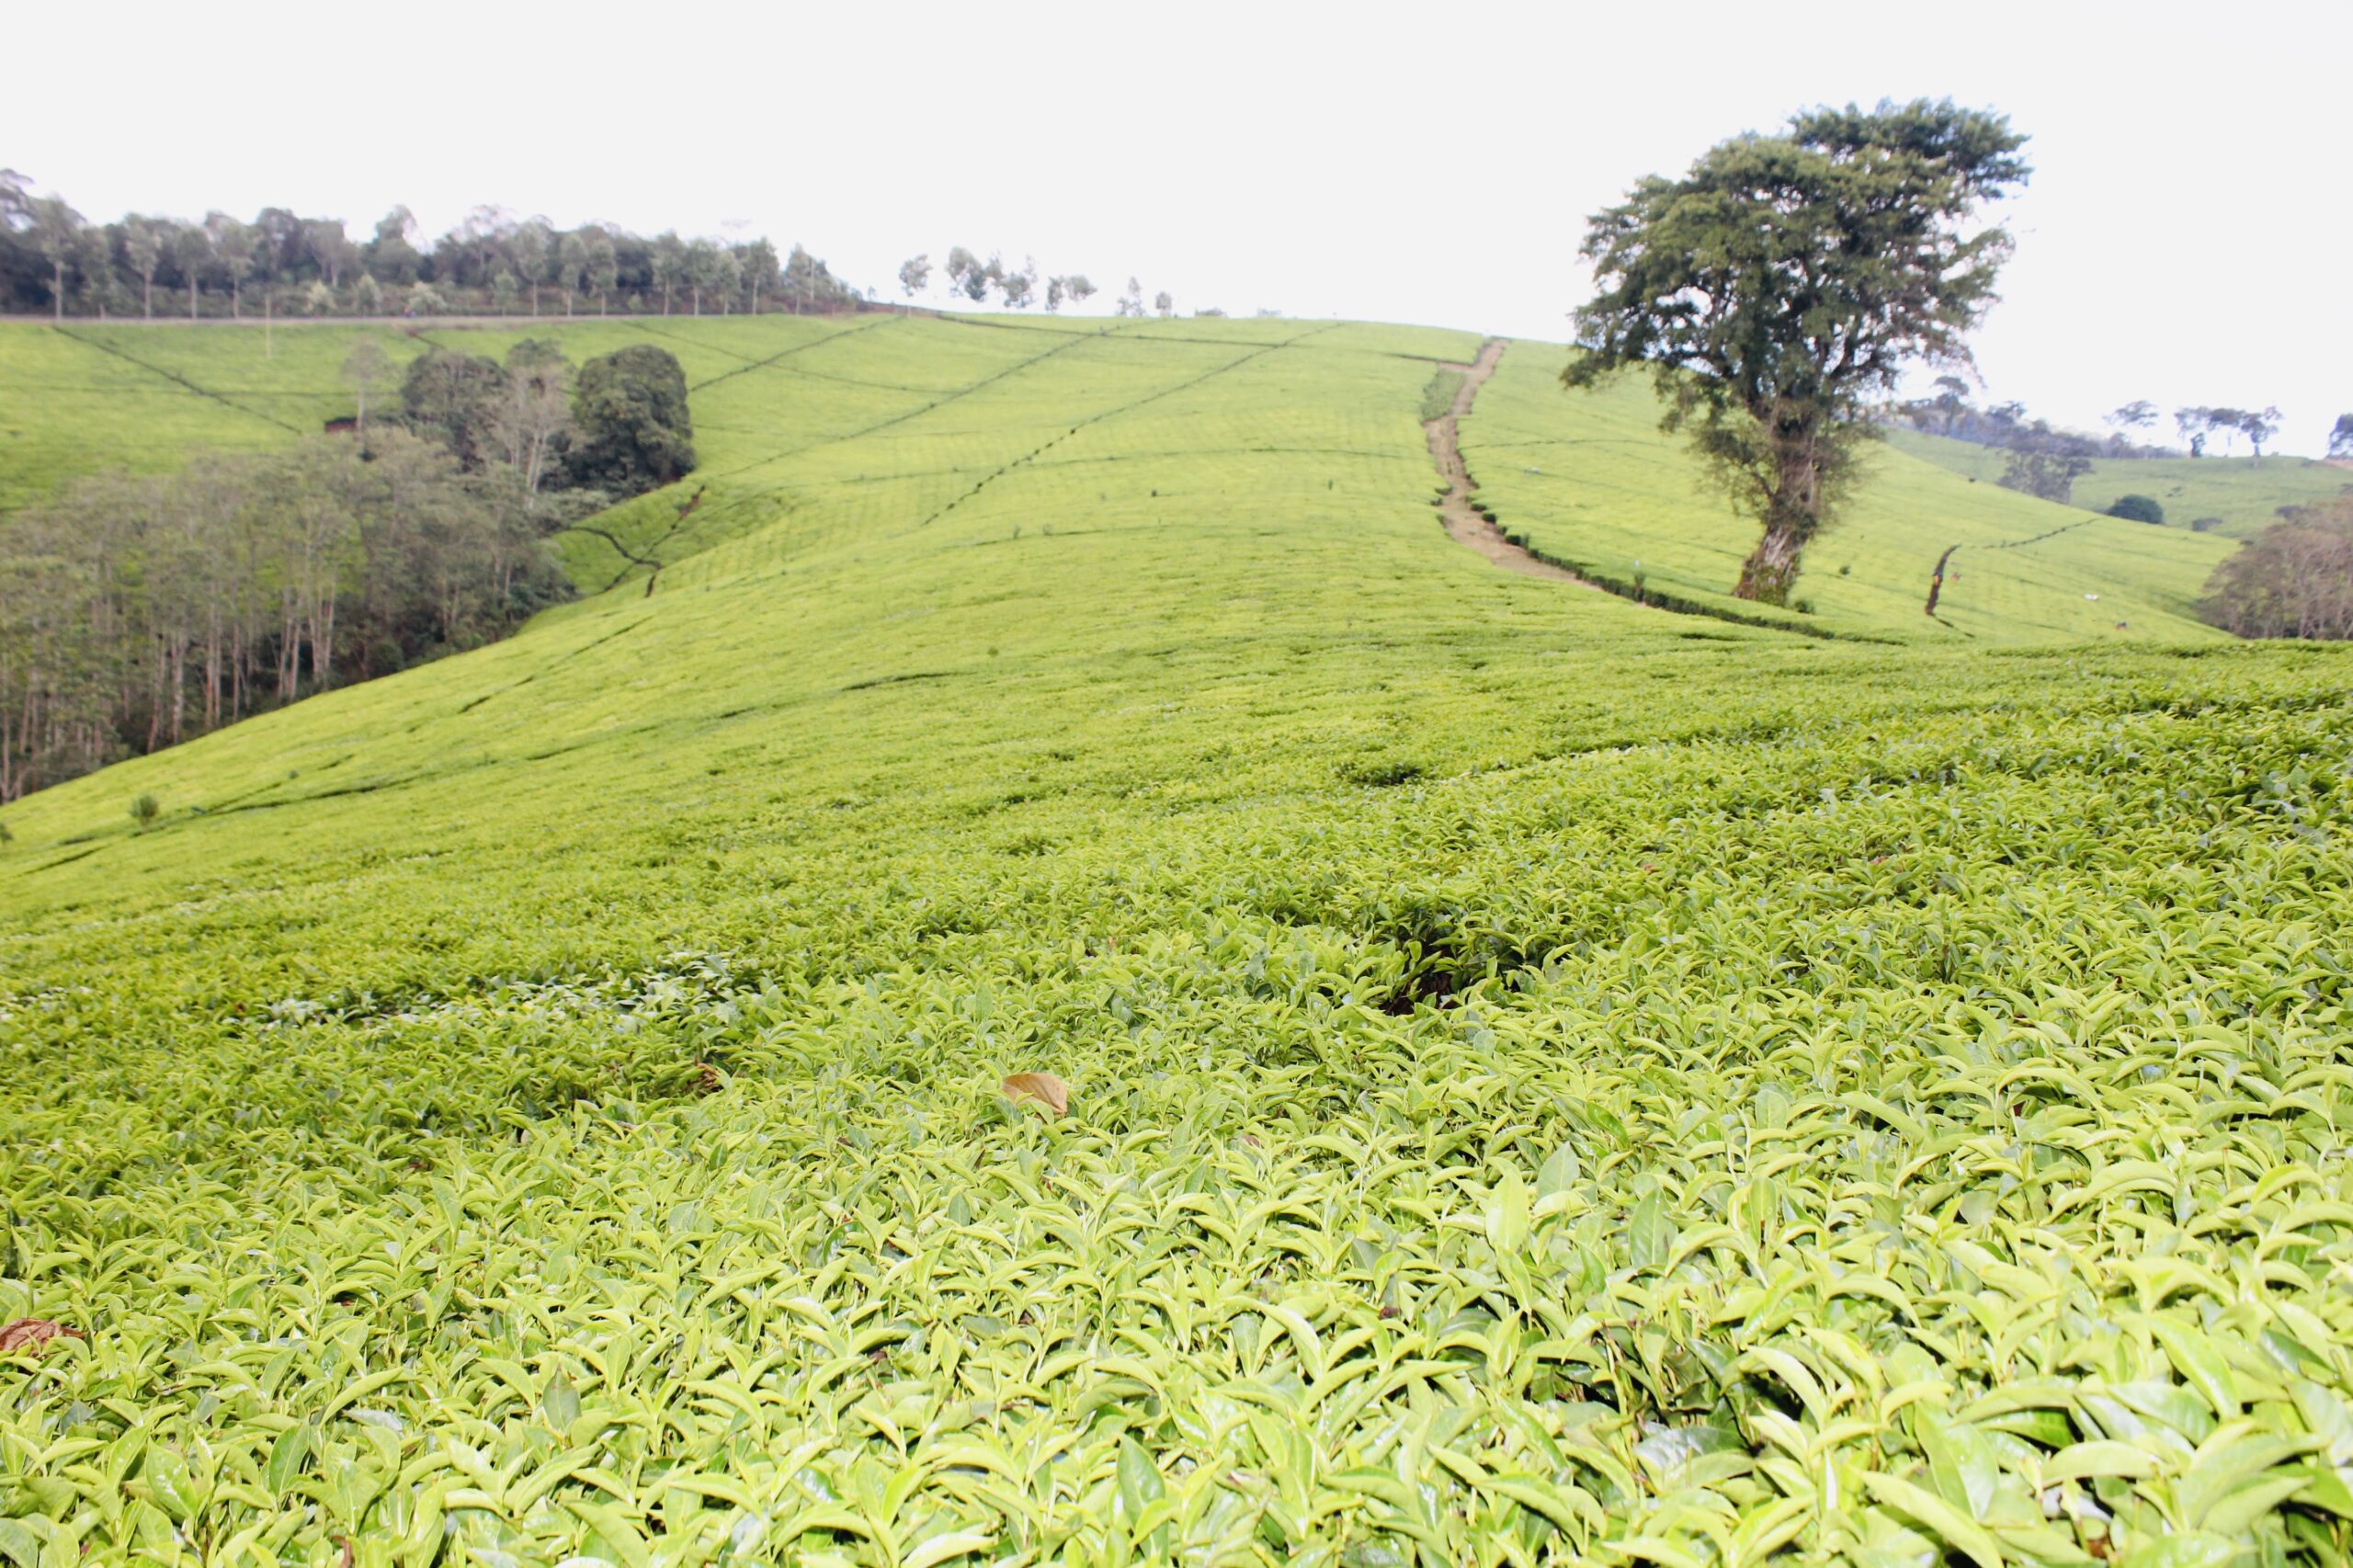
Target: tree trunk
x=156 y=695
x=191 y=296
x=57 y=293
x=289 y=651
x=323 y=640
x=1772 y=566
x=1936 y=580
x=1792 y=510
x=147 y=286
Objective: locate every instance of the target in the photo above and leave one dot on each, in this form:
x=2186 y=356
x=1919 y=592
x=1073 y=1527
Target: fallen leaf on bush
x=1038 y=1088
x=31 y=1333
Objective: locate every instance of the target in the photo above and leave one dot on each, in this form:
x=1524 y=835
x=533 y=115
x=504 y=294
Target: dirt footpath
x=1464 y=523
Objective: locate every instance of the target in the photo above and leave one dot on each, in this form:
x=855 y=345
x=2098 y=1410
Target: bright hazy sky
x=2186 y=237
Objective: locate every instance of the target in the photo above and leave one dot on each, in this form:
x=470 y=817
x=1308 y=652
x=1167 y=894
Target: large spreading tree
x=1780 y=287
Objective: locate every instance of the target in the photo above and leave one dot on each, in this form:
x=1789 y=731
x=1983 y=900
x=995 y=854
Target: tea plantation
x=1550 y=1079
x=2234 y=497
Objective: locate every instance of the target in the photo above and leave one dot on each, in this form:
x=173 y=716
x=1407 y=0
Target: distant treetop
x=54 y=260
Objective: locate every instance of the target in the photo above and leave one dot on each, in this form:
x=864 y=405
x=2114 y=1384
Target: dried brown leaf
x=33 y=1335
x=1038 y=1088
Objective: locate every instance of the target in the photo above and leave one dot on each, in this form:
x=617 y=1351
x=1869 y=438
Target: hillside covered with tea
x=1548 y=1077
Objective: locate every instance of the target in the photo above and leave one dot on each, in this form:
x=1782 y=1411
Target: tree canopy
x=2294 y=579
x=54 y=260
x=137 y=610
x=631 y=429
x=1785 y=281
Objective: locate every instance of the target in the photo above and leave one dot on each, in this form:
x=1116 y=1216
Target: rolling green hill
x=1549 y=1079
x=1588 y=480
x=810 y=428
x=2244 y=493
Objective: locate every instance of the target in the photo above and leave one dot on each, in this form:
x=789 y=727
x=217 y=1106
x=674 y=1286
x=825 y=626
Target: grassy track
x=1551 y=1079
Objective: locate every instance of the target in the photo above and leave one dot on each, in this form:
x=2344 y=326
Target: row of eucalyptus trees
x=55 y=261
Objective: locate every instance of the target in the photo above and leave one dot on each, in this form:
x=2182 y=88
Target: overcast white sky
x=2186 y=237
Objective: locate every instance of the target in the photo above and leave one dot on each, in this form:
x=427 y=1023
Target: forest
x=55 y=261
x=139 y=610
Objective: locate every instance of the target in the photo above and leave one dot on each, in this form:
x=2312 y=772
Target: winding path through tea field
x=1465 y=524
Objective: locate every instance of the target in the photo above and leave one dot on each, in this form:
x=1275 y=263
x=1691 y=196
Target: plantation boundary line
x=805 y=372
x=1070 y=340
x=469 y=706
x=1121 y=329
x=2022 y=543
x=176 y=378
x=619 y=548
x=734 y=504
x=725 y=507
x=752 y=365
x=1258 y=352
x=1936 y=573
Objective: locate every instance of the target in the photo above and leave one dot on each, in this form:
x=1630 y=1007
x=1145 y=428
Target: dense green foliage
x=2294 y=579
x=2137 y=509
x=2049 y=476
x=1782 y=285
x=136 y=611
x=452 y=397
x=54 y=261
x=1547 y=1078
x=631 y=429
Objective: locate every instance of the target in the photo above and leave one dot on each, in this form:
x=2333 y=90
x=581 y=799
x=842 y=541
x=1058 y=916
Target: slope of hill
x=1547 y=1078
x=808 y=427
x=2244 y=493
x=1588 y=480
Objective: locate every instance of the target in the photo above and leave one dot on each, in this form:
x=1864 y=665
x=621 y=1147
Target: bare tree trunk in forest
x=290 y=650
x=155 y=697
x=322 y=640
x=213 y=666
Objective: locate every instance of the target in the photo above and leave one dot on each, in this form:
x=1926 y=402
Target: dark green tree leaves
x=631 y=431
x=1785 y=280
